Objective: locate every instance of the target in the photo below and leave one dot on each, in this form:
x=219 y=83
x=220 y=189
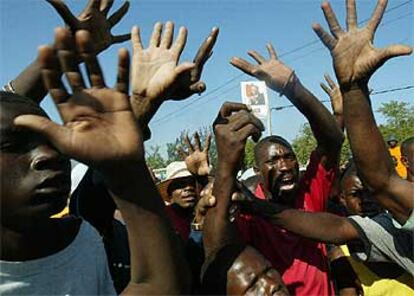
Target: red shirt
x=301 y=262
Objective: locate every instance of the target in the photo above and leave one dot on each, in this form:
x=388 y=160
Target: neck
x=39 y=241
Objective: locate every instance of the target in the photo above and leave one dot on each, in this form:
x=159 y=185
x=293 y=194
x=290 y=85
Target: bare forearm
x=218 y=230
x=157 y=262
x=373 y=160
x=29 y=83
x=323 y=124
x=323 y=227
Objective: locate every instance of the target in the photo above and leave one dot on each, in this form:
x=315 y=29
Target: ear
x=404 y=161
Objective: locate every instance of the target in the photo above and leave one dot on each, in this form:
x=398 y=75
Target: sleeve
x=316 y=184
x=382 y=242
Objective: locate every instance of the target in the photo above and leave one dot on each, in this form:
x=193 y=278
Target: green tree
x=173 y=155
x=154 y=158
x=249 y=154
x=399 y=121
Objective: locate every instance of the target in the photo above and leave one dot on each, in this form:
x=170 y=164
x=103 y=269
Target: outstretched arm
x=93 y=19
x=355 y=59
x=282 y=79
x=322 y=227
x=100 y=130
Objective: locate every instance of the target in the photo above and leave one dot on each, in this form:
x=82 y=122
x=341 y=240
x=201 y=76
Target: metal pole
x=269 y=120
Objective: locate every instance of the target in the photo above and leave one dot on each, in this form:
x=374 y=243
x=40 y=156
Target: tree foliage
x=399 y=121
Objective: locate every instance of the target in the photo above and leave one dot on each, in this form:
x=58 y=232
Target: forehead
x=270 y=150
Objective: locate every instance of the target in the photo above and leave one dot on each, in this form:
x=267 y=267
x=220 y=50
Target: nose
x=284 y=165
x=45 y=156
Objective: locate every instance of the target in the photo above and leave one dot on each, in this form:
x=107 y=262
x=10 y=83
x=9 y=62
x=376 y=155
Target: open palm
x=94 y=18
x=155 y=68
x=99 y=126
x=354 y=56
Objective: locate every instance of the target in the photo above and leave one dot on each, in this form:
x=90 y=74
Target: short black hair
x=405 y=145
x=270 y=139
x=13 y=98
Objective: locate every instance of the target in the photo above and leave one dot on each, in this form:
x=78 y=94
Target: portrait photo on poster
x=254 y=94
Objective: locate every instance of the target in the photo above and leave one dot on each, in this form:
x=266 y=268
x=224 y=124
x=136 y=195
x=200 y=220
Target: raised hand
x=276 y=74
x=233 y=125
x=334 y=93
x=355 y=58
x=99 y=127
x=188 y=83
x=94 y=19
x=196 y=159
x=155 y=69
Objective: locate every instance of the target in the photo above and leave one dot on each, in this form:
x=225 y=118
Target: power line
x=192 y=102
x=373 y=93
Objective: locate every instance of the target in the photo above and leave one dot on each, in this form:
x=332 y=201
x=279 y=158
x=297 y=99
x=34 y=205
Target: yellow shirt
x=373 y=285
x=396 y=155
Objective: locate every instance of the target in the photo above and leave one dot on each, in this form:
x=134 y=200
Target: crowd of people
x=123 y=231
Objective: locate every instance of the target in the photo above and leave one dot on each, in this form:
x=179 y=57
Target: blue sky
x=244 y=25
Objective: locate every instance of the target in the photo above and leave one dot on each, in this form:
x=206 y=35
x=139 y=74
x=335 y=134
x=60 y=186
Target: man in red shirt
x=302 y=262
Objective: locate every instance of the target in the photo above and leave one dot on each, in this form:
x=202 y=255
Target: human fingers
x=122 y=79
x=229 y=107
x=243 y=65
x=207 y=143
x=181 y=153
x=57 y=134
x=167 y=36
x=106 y=6
x=394 y=50
x=180 y=42
x=197 y=143
x=64 y=13
x=86 y=51
x=331 y=19
x=377 y=16
x=67 y=55
x=256 y=56
x=272 y=51
x=326 y=39
x=51 y=74
x=325 y=88
x=136 y=39
x=119 y=14
x=187 y=142
x=120 y=38
x=156 y=35
x=351 y=15
x=328 y=79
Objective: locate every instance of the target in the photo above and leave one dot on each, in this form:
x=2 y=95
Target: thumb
x=394 y=50
x=198 y=87
x=184 y=67
x=54 y=132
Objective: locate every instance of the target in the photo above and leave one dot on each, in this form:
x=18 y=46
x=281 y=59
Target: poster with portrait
x=254 y=94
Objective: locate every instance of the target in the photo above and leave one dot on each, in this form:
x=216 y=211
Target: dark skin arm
x=282 y=79
x=355 y=59
x=232 y=127
x=100 y=131
x=93 y=19
x=310 y=225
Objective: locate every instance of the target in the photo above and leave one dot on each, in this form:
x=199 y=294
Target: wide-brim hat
x=175 y=171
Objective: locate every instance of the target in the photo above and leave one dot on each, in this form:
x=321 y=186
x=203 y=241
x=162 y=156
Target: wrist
x=291 y=83
x=354 y=85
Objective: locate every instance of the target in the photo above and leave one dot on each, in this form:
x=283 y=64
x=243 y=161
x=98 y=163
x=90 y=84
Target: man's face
x=252 y=274
x=183 y=192
x=408 y=159
x=279 y=170
x=352 y=194
x=392 y=144
x=35 y=177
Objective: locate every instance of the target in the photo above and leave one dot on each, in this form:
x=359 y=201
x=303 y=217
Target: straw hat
x=176 y=170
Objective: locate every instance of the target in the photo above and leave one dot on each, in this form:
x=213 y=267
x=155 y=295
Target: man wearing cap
x=186 y=202
x=395 y=152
